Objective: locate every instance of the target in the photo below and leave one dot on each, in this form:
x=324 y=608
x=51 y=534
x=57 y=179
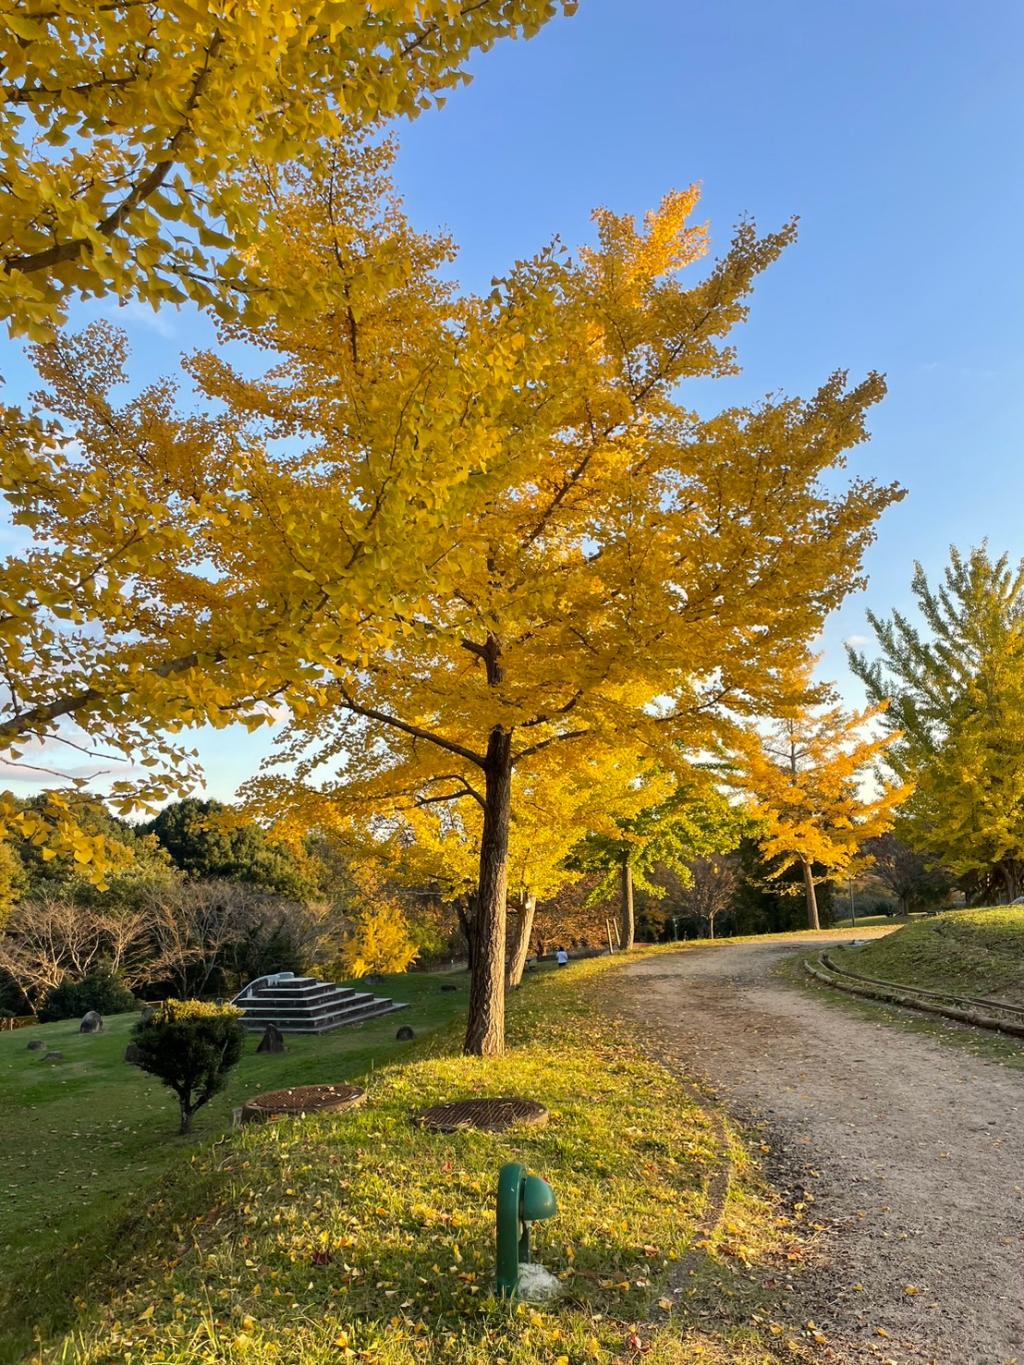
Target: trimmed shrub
x=190 y=1046
x=99 y=991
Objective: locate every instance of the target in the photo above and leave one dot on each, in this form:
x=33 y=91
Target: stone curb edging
x=896 y=994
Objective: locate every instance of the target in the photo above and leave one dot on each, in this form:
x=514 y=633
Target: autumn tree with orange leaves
x=811 y=786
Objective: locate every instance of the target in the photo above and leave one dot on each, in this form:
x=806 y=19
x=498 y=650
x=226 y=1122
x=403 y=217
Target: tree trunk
x=812 y=900
x=186 y=1120
x=519 y=941
x=711 y=926
x=485 y=1028
x=467 y=923
x=628 y=919
x=1009 y=871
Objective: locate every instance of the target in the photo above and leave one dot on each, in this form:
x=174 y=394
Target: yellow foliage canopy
x=379 y=940
x=122 y=125
x=478 y=532
x=810 y=786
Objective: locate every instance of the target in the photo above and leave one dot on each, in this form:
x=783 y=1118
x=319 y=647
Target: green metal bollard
x=522 y=1199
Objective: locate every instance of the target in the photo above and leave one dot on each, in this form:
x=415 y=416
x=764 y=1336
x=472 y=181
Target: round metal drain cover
x=493 y=1116
x=302 y=1099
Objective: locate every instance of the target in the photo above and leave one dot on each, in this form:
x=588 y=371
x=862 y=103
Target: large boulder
x=132 y=1054
x=91 y=1023
x=272 y=1040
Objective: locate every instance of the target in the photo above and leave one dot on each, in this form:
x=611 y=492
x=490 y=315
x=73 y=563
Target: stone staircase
x=301 y=1004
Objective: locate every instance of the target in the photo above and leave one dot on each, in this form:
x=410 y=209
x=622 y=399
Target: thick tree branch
x=558 y=711
x=416 y=731
x=28 y=722
x=138 y=194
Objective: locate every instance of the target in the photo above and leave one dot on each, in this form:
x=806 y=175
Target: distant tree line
x=198 y=903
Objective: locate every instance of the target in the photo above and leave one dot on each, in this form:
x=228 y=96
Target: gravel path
x=914 y=1152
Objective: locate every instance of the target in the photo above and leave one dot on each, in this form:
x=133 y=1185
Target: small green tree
x=100 y=991
x=954 y=681
x=693 y=822
x=190 y=1046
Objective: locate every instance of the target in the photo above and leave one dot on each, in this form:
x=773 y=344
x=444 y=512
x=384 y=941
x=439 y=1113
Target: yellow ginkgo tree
x=813 y=789
x=418 y=822
x=122 y=125
x=614 y=570
x=130 y=135
x=482 y=527
x=181 y=569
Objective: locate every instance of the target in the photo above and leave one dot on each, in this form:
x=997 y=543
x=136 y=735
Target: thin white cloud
x=138 y=314
x=855 y=641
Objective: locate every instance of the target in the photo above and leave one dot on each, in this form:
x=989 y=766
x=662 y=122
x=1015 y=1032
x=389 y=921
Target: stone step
x=331 y=1006
x=302 y=1004
x=273 y=1000
x=325 y=1023
x=297 y=988
x=310 y=992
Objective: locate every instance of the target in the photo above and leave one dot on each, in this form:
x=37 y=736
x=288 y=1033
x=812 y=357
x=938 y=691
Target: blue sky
x=895 y=132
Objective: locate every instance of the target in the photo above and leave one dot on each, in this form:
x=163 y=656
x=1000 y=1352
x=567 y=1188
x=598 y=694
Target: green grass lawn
x=871 y=921
x=968 y=952
x=362 y=1237
x=85 y=1140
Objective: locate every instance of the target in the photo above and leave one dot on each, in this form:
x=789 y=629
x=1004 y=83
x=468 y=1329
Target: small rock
x=91 y=1023
x=132 y=1053
x=537 y=1285
x=272 y=1040
x=36 y=1044
x=405 y=1034
x=449 y=988
x=54 y=1057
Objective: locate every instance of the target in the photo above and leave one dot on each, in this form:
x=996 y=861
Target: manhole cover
x=493 y=1116
x=302 y=1099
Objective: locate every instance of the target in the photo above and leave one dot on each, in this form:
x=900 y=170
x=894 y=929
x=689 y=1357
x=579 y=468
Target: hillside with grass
x=966 y=952
x=86 y=1139
x=363 y=1237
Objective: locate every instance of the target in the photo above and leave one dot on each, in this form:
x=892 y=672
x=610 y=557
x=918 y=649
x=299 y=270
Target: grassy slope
x=363 y=1237
x=967 y=952
x=82 y=1139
